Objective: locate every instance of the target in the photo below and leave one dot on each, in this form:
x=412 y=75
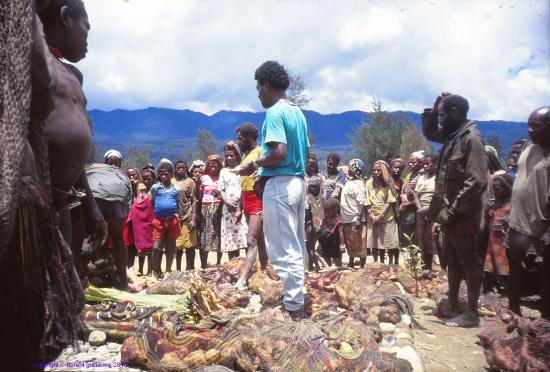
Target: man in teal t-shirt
x=282 y=163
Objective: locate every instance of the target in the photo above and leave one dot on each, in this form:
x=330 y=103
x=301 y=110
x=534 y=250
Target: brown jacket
x=462 y=175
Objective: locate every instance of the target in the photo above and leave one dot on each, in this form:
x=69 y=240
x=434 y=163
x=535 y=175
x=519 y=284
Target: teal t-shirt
x=286 y=123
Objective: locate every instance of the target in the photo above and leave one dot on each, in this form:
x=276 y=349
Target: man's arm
x=275 y=155
x=93 y=219
x=476 y=178
x=430 y=127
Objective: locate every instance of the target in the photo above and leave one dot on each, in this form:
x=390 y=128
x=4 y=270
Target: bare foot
x=463 y=320
x=241 y=286
x=271 y=273
x=449 y=312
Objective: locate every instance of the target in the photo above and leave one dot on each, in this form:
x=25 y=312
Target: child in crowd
x=496 y=263
x=331 y=236
x=351 y=212
x=382 y=232
x=187 y=241
x=314 y=217
x=233 y=226
x=424 y=191
x=166 y=226
x=209 y=194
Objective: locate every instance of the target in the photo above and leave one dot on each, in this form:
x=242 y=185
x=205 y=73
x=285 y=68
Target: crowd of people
x=269 y=199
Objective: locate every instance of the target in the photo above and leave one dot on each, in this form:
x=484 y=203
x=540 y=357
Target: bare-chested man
x=66 y=28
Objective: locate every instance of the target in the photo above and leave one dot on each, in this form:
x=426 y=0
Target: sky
x=201 y=54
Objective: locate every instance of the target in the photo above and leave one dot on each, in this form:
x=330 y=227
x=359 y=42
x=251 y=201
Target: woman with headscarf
x=233 y=227
x=407 y=208
x=382 y=230
x=211 y=202
x=496 y=267
x=351 y=212
x=424 y=192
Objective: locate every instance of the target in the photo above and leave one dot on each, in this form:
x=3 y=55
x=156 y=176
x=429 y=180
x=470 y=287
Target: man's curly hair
x=49 y=14
x=248 y=129
x=273 y=73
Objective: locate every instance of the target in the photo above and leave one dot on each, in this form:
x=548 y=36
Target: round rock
x=97 y=338
x=387 y=327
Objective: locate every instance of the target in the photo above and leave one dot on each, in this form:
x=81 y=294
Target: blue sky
x=201 y=54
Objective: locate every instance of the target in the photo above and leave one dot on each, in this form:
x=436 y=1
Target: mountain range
x=166 y=131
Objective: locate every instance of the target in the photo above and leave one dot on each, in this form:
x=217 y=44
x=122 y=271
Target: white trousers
x=284 y=217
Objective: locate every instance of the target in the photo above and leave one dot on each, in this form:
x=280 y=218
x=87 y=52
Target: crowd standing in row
x=461 y=216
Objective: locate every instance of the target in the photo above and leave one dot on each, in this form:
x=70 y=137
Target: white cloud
x=201 y=54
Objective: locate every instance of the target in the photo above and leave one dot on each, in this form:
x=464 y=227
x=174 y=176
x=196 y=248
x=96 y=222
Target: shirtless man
x=66 y=29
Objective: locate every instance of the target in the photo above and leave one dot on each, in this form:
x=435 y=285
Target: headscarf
x=357 y=168
x=385 y=171
x=216 y=158
x=166 y=163
x=418 y=154
x=113 y=154
x=233 y=146
x=196 y=164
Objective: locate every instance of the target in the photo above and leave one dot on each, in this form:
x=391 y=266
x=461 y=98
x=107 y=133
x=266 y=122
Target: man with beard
x=530 y=213
x=247 y=135
x=457 y=200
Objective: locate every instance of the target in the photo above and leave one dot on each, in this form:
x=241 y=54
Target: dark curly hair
x=51 y=11
x=334 y=156
x=273 y=73
x=460 y=103
x=248 y=129
x=180 y=161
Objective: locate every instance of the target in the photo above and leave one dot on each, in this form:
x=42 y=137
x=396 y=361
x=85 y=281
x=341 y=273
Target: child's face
x=165 y=176
x=230 y=158
x=500 y=191
x=132 y=176
x=331 y=212
x=429 y=166
x=314 y=189
x=396 y=170
x=197 y=173
x=311 y=166
x=148 y=180
x=181 y=170
x=377 y=172
x=213 y=168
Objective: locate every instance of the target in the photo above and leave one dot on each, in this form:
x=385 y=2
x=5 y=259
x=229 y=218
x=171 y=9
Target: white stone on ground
x=97 y=338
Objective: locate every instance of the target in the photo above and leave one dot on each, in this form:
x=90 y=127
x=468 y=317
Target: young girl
x=314 y=218
x=331 y=236
x=209 y=194
x=166 y=225
x=187 y=241
x=233 y=226
x=423 y=194
x=140 y=219
x=496 y=263
x=382 y=232
x=351 y=212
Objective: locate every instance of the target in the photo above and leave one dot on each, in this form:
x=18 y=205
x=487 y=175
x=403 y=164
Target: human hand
x=342 y=248
x=247 y=169
x=95 y=225
x=239 y=215
x=439 y=99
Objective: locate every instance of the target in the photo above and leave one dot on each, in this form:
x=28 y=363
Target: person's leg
x=382 y=254
x=219 y=258
x=157 y=257
x=141 y=262
x=254 y=226
x=149 y=264
x=116 y=227
x=190 y=259
x=362 y=262
x=170 y=249
x=375 y=254
x=390 y=256
x=545 y=312
x=472 y=266
x=284 y=214
x=203 y=254
x=517 y=244
x=455 y=275
x=396 y=256
x=337 y=261
x=132 y=253
x=179 y=257
x=428 y=261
